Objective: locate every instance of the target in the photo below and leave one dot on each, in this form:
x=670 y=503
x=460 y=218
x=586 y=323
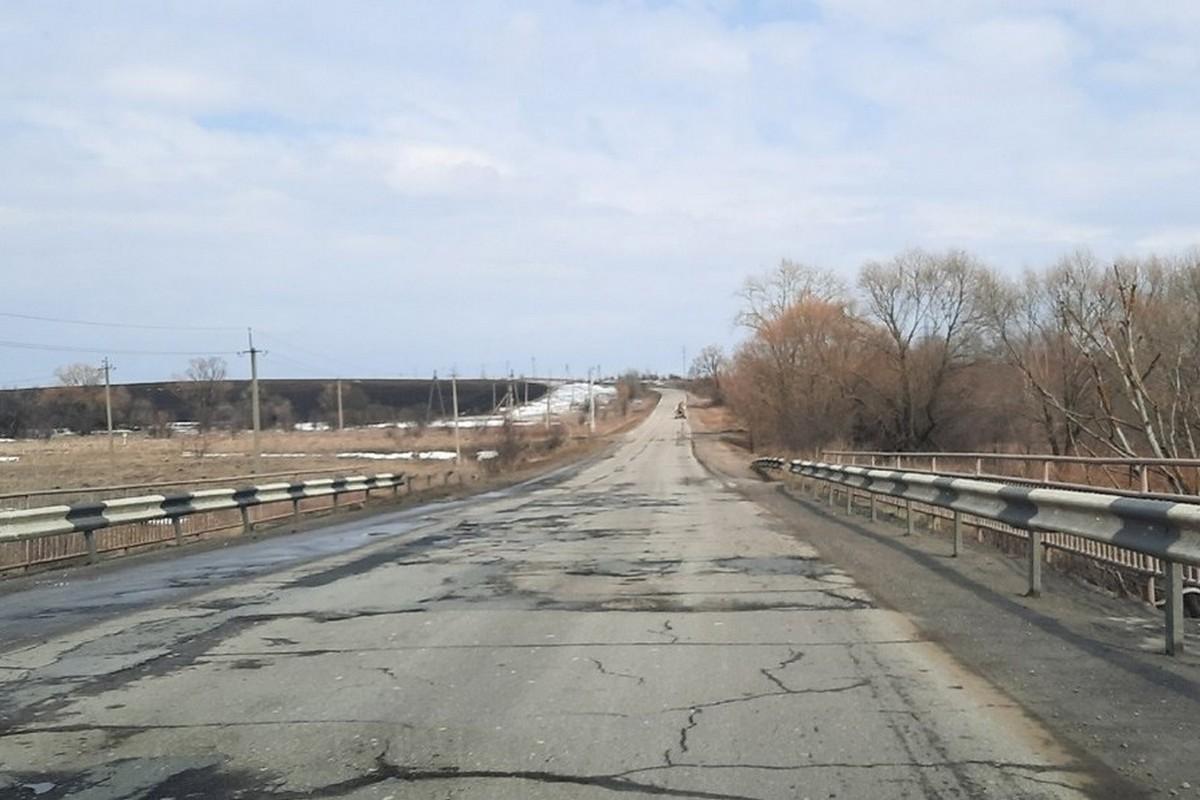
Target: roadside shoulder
x=1088 y=665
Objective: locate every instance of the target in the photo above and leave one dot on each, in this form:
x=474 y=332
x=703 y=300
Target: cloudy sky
x=389 y=188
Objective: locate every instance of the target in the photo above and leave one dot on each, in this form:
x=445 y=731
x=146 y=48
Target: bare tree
x=1028 y=326
x=708 y=368
x=767 y=297
x=79 y=374
x=926 y=305
x=203 y=388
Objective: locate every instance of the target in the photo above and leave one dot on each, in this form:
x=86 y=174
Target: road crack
x=603 y=671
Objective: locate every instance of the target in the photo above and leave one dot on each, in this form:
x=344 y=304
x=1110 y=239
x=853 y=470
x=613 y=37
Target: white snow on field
x=564 y=399
x=409 y=455
x=311 y=426
x=9 y=459
x=285 y=455
x=6 y=441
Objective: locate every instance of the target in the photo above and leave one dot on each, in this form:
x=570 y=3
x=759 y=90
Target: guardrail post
x=957 y=533
x=874 y=509
x=335 y=499
x=979 y=466
x=296 y=510
x=849 y=499
x=908 y=518
x=245 y=518
x=177 y=527
x=831 y=489
x=89 y=538
x=1173 y=572
x=1035 y=564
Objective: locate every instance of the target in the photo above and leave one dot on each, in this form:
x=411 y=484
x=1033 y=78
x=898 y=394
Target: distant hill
x=153 y=406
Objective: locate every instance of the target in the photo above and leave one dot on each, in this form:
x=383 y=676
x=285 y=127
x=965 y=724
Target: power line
x=54 y=348
x=339 y=363
x=95 y=324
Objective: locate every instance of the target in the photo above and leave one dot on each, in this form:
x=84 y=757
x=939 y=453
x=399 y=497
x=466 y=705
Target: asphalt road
x=637 y=627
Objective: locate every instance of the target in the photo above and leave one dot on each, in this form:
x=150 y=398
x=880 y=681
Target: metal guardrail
x=1166 y=530
x=1142 y=466
x=28 y=494
x=87 y=518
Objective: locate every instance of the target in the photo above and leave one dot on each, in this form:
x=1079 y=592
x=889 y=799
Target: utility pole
x=591 y=405
x=683 y=363
x=548 y=402
x=454 y=394
x=255 y=418
x=341 y=417
x=107 y=366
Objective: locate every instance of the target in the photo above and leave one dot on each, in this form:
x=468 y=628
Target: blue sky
x=392 y=188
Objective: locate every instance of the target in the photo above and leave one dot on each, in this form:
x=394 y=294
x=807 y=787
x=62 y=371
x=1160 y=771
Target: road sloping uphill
x=638 y=628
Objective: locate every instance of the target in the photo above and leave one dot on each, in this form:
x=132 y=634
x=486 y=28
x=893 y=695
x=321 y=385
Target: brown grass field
x=86 y=462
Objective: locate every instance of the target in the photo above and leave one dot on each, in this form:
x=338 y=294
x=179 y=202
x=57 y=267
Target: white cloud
x=166 y=84
x=591 y=147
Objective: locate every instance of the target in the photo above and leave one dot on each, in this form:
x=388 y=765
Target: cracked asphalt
x=637 y=627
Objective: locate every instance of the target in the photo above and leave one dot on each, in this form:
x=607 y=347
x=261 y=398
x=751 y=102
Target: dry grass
x=85 y=461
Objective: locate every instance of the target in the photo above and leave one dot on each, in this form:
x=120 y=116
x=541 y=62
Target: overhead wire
x=55 y=348
x=133 y=325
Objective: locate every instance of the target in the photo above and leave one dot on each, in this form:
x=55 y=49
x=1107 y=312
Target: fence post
x=1173 y=572
x=957 y=533
x=245 y=518
x=979 y=466
x=1035 y=564
x=1145 y=470
x=831 y=489
x=177 y=527
x=1046 y=472
x=908 y=518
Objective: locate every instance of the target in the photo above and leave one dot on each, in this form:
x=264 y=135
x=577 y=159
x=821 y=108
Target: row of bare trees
x=940 y=351
x=202 y=394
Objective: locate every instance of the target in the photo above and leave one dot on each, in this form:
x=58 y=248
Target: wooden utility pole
x=107 y=366
x=454 y=395
x=255 y=418
x=341 y=418
x=591 y=405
